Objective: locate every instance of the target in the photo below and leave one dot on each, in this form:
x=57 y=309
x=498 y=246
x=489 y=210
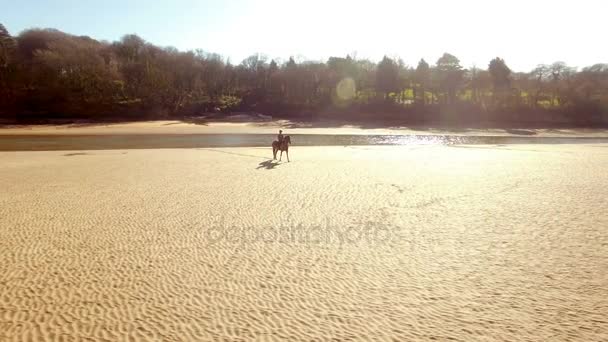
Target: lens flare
x=346 y=89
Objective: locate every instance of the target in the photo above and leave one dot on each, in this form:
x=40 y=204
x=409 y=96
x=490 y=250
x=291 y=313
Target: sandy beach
x=389 y=243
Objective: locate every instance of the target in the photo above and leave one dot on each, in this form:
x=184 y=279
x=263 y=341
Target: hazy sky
x=523 y=32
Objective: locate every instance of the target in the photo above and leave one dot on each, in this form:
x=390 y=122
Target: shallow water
x=144 y=141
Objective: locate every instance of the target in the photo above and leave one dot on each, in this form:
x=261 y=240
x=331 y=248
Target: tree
x=8 y=70
x=405 y=81
x=273 y=67
x=480 y=85
x=254 y=62
x=46 y=73
x=8 y=47
x=450 y=76
x=291 y=63
x=422 y=77
x=499 y=71
x=593 y=82
x=540 y=76
x=387 y=77
x=560 y=72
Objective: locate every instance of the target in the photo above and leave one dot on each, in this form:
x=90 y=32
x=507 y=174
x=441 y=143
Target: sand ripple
x=383 y=243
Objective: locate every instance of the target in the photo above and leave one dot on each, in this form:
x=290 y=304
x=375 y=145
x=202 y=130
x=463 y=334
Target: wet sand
x=271 y=127
x=464 y=243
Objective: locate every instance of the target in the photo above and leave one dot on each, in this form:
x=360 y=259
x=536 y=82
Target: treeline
x=45 y=73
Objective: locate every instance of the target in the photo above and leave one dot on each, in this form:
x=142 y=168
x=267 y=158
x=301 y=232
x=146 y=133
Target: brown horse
x=284 y=146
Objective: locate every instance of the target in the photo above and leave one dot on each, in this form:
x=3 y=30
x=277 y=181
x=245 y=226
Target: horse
x=283 y=146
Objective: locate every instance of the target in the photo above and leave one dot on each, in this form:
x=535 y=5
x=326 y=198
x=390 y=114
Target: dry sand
x=468 y=243
x=271 y=127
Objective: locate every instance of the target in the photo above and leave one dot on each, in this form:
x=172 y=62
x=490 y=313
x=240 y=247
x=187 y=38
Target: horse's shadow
x=267 y=164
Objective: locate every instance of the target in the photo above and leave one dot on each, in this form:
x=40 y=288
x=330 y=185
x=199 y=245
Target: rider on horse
x=281 y=144
x=280 y=137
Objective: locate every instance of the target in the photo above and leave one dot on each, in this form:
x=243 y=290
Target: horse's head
x=287 y=139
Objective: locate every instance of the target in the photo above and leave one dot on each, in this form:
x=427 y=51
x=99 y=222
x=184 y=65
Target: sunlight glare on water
x=416 y=140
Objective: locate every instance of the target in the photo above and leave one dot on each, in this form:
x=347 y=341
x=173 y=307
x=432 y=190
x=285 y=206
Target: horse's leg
x=281 y=156
x=287 y=153
x=274 y=153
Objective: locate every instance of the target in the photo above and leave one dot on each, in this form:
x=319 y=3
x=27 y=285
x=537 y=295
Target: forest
x=46 y=74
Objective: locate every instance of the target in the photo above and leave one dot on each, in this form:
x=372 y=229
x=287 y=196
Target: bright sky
x=523 y=32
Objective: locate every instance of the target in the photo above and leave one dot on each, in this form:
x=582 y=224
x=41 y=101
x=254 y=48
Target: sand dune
x=468 y=243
